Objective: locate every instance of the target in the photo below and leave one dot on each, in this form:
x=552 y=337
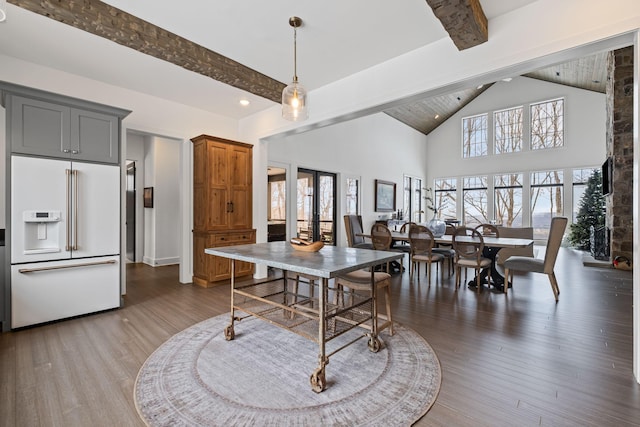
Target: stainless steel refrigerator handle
x=75 y=210
x=60 y=267
x=68 y=230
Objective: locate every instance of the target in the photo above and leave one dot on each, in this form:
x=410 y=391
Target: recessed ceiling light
x=507 y=79
x=244 y=102
x=480 y=87
x=437 y=116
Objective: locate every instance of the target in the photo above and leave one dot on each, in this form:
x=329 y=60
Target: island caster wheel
x=229 y=333
x=318 y=382
x=374 y=344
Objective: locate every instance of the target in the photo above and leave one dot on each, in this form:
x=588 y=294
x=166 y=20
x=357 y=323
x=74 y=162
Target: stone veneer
x=619 y=134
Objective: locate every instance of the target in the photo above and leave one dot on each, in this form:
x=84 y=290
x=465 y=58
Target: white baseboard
x=161 y=261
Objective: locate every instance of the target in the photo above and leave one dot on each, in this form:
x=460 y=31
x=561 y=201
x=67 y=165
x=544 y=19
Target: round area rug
x=261 y=378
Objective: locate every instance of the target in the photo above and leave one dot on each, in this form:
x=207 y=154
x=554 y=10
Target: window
x=580 y=179
x=508 y=199
x=547 y=124
x=474 y=136
x=546 y=201
x=474 y=198
x=352 y=194
x=412 y=196
x=508 y=130
x=445 y=198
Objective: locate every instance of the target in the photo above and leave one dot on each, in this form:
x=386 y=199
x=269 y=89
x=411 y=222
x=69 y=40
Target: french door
x=316 y=206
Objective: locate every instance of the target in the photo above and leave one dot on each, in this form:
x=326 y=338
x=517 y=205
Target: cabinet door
x=39 y=127
x=94 y=137
x=240 y=187
x=219 y=206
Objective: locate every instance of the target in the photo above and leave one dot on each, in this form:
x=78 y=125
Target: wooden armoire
x=222 y=206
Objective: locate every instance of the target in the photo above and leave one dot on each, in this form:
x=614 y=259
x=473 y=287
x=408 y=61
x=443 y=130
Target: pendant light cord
x=295 y=56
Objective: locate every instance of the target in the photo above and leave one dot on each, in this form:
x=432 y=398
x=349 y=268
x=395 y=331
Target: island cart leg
x=229 y=332
x=374 y=341
x=318 y=379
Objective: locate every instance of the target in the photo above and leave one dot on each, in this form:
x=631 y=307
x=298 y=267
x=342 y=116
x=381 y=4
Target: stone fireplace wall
x=620 y=146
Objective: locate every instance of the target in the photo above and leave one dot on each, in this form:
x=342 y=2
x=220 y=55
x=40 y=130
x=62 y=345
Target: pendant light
x=294 y=96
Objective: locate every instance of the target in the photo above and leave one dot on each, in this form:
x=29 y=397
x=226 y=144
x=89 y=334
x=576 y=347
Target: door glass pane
x=304 y=223
x=326 y=205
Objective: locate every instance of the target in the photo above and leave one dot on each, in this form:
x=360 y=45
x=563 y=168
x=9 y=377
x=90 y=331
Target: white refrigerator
x=65 y=239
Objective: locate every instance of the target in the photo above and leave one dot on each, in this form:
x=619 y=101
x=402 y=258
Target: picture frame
x=148 y=197
x=385 y=197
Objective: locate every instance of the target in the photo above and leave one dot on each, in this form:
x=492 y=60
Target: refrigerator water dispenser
x=41 y=231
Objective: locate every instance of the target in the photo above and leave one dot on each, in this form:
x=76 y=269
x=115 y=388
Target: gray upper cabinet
x=94 y=136
x=46 y=124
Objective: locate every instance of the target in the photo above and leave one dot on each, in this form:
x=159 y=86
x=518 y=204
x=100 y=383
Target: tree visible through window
x=508 y=199
x=474 y=197
x=546 y=201
x=352 y=196
x=547 y=124
x=412 y=197
x=474 y=136
x=508 y=130
x=445 y=198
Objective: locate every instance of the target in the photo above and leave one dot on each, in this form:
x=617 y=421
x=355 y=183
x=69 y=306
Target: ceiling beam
x=464 y=20
x=106 y=21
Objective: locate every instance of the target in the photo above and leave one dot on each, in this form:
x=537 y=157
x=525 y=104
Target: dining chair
x=469 y=244
x=516 y=233
x=381 y=240
x=360 y=281
x=446 y=250
x=353 y=227
x=488 y=230
x=421 y=241
x=537 y=265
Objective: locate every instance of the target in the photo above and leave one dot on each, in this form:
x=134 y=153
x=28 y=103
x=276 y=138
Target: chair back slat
x=468 y=243
x=421 y=240
x=488 y=230
x=556 y=233
x=381 y=237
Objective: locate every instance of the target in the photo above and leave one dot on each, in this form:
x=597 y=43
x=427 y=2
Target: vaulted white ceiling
x=338 y=38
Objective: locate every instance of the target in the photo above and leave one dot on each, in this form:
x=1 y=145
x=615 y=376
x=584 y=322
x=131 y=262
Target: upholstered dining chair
x=421 y=241
x=536 y=265
x=469 y=244
x=353 y=227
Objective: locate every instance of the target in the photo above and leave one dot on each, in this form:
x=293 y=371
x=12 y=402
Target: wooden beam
x=106 y=21
x=464 y=20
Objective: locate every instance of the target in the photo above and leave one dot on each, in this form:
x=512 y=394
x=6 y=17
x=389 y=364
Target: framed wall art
x=385 y=200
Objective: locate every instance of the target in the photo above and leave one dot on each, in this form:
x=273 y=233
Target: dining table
x=310 y=315
x=492 y=245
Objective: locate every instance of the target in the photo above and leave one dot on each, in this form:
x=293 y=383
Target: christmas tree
x=590 y=213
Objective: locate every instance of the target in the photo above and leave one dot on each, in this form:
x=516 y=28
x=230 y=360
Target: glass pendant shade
x=294 y=102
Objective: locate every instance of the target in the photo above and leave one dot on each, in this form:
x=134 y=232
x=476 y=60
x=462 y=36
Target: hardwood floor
x=520 y=360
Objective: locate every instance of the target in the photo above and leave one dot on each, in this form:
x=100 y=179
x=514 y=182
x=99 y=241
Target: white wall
x=162 y=222
x=373 y=147
x=584 y=135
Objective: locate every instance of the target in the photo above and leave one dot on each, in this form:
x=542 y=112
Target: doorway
x=130 y=222
x=316 y=206
x=276 y=204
